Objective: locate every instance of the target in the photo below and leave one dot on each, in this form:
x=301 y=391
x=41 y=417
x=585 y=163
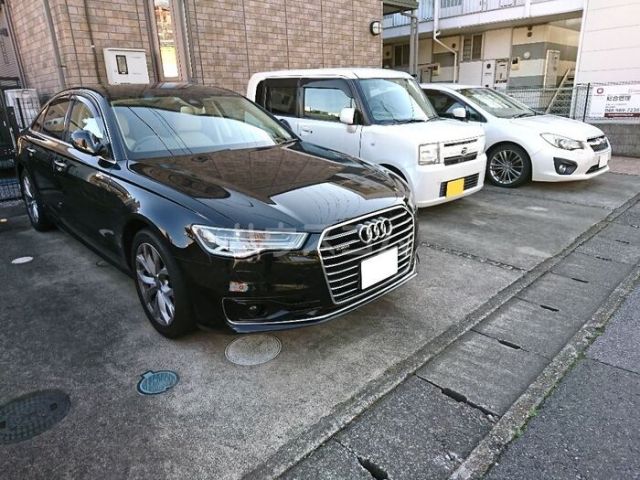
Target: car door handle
x=305 y=131
x=31 y=150
x=59 y=165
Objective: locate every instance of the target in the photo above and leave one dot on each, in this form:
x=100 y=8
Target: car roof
x=117 y=92
x=448 y=86
x=353 y=73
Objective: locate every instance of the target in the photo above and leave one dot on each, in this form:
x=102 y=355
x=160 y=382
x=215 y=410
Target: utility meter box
x=126 y=65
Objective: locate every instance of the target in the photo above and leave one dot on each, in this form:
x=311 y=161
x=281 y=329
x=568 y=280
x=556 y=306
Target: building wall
x=8 y=61
x=610 y=45
x=228 y=40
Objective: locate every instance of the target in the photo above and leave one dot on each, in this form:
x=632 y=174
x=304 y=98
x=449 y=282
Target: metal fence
x=9 y=128
x=590 y=102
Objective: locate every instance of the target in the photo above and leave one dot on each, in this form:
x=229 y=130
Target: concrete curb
x=295 y=450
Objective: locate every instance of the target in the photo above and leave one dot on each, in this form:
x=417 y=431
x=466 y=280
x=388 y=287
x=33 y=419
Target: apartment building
x=60 y=43
x=498 y=43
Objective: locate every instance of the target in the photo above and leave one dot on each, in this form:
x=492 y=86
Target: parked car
x=383 y=117
x=215 y=208
x=523 y=145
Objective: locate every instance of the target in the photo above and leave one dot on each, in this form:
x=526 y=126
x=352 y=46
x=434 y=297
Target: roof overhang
x=396 y=6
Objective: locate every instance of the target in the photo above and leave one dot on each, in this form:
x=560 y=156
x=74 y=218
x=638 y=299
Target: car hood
x=299 y=186
x=439 y=130
x=566 y=127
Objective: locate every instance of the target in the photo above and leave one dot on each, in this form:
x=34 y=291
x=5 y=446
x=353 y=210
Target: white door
x=319 y=123
x=551 y=69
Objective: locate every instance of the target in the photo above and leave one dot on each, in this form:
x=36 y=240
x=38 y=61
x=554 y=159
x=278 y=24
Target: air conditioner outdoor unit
x=25 y=103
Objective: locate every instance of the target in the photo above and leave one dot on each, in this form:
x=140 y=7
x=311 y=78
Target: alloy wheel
x=30 y=199
x=506 y=167
x=154 y=283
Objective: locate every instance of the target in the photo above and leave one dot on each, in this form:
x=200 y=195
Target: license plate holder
x=455 y=187
x=603 y=160
x=378 y=268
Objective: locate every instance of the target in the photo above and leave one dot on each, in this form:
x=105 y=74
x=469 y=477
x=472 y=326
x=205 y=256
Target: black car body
x=109 y=190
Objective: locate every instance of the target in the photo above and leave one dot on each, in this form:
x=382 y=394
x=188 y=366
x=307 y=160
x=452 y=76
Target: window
x=169 y=45
x=472 y=48
x=278 y=96
x=324 y=99
x=401 y=55
x=83 y=118
x=54 y=119
x=38 y=122
x=445 y=104
x=395 y=100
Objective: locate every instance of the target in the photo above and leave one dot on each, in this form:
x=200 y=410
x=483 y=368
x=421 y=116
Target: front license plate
x=603 y=161
x=379 y=267
x=455 y=187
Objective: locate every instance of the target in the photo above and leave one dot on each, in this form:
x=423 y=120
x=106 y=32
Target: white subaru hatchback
x=524 y=145
x=380 y=116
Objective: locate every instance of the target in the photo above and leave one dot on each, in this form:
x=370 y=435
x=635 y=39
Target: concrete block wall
x=624 y=138
x=228 y=40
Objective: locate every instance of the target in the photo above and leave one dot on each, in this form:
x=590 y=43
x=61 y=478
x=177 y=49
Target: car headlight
x=429 y=154
x=562 y=142
x=239 y=243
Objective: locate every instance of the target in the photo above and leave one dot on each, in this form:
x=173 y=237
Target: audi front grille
x=342 y=249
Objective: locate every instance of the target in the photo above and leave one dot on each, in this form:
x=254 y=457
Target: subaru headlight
x=429 y=154
x=562 y=142
x=239 y=243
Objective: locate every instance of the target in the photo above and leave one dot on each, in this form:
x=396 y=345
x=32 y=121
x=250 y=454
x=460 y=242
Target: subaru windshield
x=396 y=100
x=160 y=126
x=496 y=103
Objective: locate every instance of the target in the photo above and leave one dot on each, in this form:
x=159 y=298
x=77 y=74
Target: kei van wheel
x=31 y=197
x=508 y=166
x=160 y=286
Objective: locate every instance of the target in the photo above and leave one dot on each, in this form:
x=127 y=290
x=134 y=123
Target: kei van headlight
x=562 y=142
x=239 y=243
x=429 y=154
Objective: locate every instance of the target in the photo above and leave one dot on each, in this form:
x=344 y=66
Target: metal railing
x=453 y=8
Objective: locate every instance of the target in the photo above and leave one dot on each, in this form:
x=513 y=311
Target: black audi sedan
x=217 y=210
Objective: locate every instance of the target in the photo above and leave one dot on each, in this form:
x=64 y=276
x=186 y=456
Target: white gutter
x=436 y=34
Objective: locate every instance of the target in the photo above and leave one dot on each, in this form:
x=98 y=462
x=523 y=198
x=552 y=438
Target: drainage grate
x=153 y=383
x=32 y=414
x=253 y=350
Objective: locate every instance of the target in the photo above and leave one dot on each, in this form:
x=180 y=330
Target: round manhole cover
x=253 y=349
x=31 y=414
x=153 y=383
x=21 y=260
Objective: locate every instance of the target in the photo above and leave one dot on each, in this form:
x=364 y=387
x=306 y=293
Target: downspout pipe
x=436 y=34
x=54 y=43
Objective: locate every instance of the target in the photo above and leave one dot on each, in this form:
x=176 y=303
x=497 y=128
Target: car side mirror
x=459 y=113
x=87 y=142
x=348 y=116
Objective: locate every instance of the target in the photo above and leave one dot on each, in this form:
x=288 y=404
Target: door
x=85 y=180
x=280 y=97
x=322 y=101
x=42 y=142
x=552 y=64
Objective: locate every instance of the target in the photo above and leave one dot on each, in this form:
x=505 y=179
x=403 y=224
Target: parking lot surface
x=72 y=322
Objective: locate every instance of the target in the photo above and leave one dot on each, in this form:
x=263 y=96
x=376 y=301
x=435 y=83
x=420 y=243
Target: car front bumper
x=590 y=164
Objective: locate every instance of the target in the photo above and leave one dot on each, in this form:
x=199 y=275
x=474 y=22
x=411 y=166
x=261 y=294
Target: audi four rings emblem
x=375 y=230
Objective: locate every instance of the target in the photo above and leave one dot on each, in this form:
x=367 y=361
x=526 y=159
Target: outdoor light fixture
x=375 y=27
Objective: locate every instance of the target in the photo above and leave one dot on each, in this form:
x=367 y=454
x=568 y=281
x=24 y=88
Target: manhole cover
x=21 y=260
x=31 y=414
x=153 y=383
x=253 y=349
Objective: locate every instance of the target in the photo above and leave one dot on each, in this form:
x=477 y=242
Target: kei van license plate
x=455 y=187
x=603 y=160
x=379 y=267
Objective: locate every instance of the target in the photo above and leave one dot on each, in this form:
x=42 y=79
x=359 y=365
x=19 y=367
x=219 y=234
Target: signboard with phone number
x=615 y=101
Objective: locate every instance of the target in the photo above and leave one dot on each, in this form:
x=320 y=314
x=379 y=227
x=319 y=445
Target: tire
x=160 y=285
x=32 y=201
x=508 y=166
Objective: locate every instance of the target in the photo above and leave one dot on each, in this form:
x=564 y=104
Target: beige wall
x=610 y=46
x=229 y=39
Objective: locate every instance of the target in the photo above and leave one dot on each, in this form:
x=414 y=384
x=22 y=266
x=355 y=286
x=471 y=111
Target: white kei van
x=383 y=117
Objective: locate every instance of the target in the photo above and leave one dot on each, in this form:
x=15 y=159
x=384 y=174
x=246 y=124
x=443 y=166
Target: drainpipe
x=436 y=34
x=414 y=42
x=54 y=43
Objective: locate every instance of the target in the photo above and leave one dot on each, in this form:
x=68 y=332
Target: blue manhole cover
x=31 y=414
x=153 y=383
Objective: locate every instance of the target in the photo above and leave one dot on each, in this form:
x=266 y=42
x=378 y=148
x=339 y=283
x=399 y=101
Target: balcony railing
x=453 y=8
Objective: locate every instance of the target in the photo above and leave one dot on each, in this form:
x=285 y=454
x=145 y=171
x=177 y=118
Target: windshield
x=396 y=100
x=497 y=104
x=189 y=123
